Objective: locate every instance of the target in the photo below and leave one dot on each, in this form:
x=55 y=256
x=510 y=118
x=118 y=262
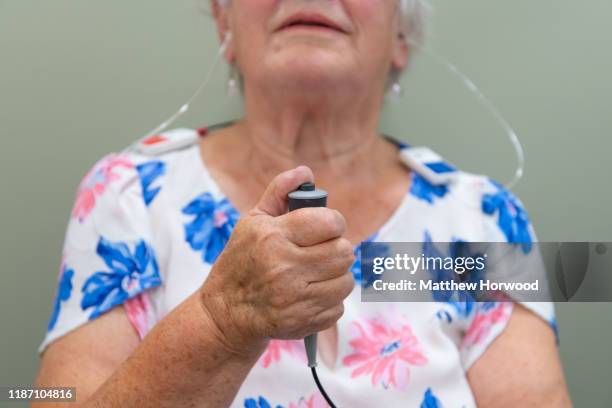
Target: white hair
x=414 y=15
x=414 y=18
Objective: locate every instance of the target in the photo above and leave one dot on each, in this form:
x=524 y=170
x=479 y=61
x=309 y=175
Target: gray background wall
x=79 y=79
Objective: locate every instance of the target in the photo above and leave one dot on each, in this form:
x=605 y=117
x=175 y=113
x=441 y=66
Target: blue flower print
x=485 y=307
x=356 y=267
x=430 y=400
x=64 y=290
x=461 y=301
x=424 y=190
x=212 y=226
x=129 y=274
x=373 y=251
x=513 y=219
x=261 y=402
x=149 y=173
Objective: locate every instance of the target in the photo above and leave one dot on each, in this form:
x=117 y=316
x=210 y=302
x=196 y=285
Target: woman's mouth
x=311 y=22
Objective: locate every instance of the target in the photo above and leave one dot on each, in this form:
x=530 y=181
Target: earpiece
x=226 y=40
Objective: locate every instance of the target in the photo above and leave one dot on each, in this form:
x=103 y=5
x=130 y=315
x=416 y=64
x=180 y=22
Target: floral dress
x=148 y=224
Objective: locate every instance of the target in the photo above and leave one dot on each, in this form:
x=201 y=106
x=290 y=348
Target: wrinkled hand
x=281 y=275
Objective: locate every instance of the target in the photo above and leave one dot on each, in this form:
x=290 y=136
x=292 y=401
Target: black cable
x=320 y=387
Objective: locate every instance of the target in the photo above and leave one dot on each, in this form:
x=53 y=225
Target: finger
x=311 y=226
x=325 y=261
x=274 y=200
x=329 y=293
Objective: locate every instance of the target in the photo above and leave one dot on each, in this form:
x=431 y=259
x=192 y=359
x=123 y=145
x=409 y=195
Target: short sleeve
x=504 y=220
x=109 y=258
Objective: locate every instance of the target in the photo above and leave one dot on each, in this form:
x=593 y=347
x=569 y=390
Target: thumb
x=274 y=200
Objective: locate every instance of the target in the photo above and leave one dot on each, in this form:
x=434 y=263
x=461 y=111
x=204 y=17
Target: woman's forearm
x=277 y=277
x=184 y=361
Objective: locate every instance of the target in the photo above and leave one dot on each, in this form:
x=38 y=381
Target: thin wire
x=320 y=387
x=452 y=68
x=486 y=102
x=183 y=109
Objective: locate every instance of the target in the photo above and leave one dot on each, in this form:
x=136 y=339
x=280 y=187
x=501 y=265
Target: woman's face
x=313 y=44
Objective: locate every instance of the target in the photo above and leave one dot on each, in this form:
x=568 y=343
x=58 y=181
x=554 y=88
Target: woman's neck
x=338 y=141
x=334 y=135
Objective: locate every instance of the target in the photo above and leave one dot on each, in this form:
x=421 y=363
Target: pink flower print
x=316 y=400
x=384 y=351
x=139 y=313
x=95 y=183
x=488 y=315
x=276 y=348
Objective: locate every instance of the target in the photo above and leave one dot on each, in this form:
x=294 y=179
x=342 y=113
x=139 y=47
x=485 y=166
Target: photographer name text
x=451 y=285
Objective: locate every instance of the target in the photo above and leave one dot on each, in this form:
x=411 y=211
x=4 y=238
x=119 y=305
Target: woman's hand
x=281 y=275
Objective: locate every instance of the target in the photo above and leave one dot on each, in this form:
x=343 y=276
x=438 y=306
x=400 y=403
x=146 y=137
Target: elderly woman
x=185 y=282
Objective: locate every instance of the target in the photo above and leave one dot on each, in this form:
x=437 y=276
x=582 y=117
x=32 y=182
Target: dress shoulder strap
x=428 y=164
x=168 y=141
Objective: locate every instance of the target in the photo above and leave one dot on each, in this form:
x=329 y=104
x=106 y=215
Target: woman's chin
x=310 y=73
x=310 y=81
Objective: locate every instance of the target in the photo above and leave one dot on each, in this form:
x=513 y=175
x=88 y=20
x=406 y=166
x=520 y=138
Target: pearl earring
x=396 y=90
x=232 y=83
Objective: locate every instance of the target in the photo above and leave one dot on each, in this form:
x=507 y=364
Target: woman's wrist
x=226 y=329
